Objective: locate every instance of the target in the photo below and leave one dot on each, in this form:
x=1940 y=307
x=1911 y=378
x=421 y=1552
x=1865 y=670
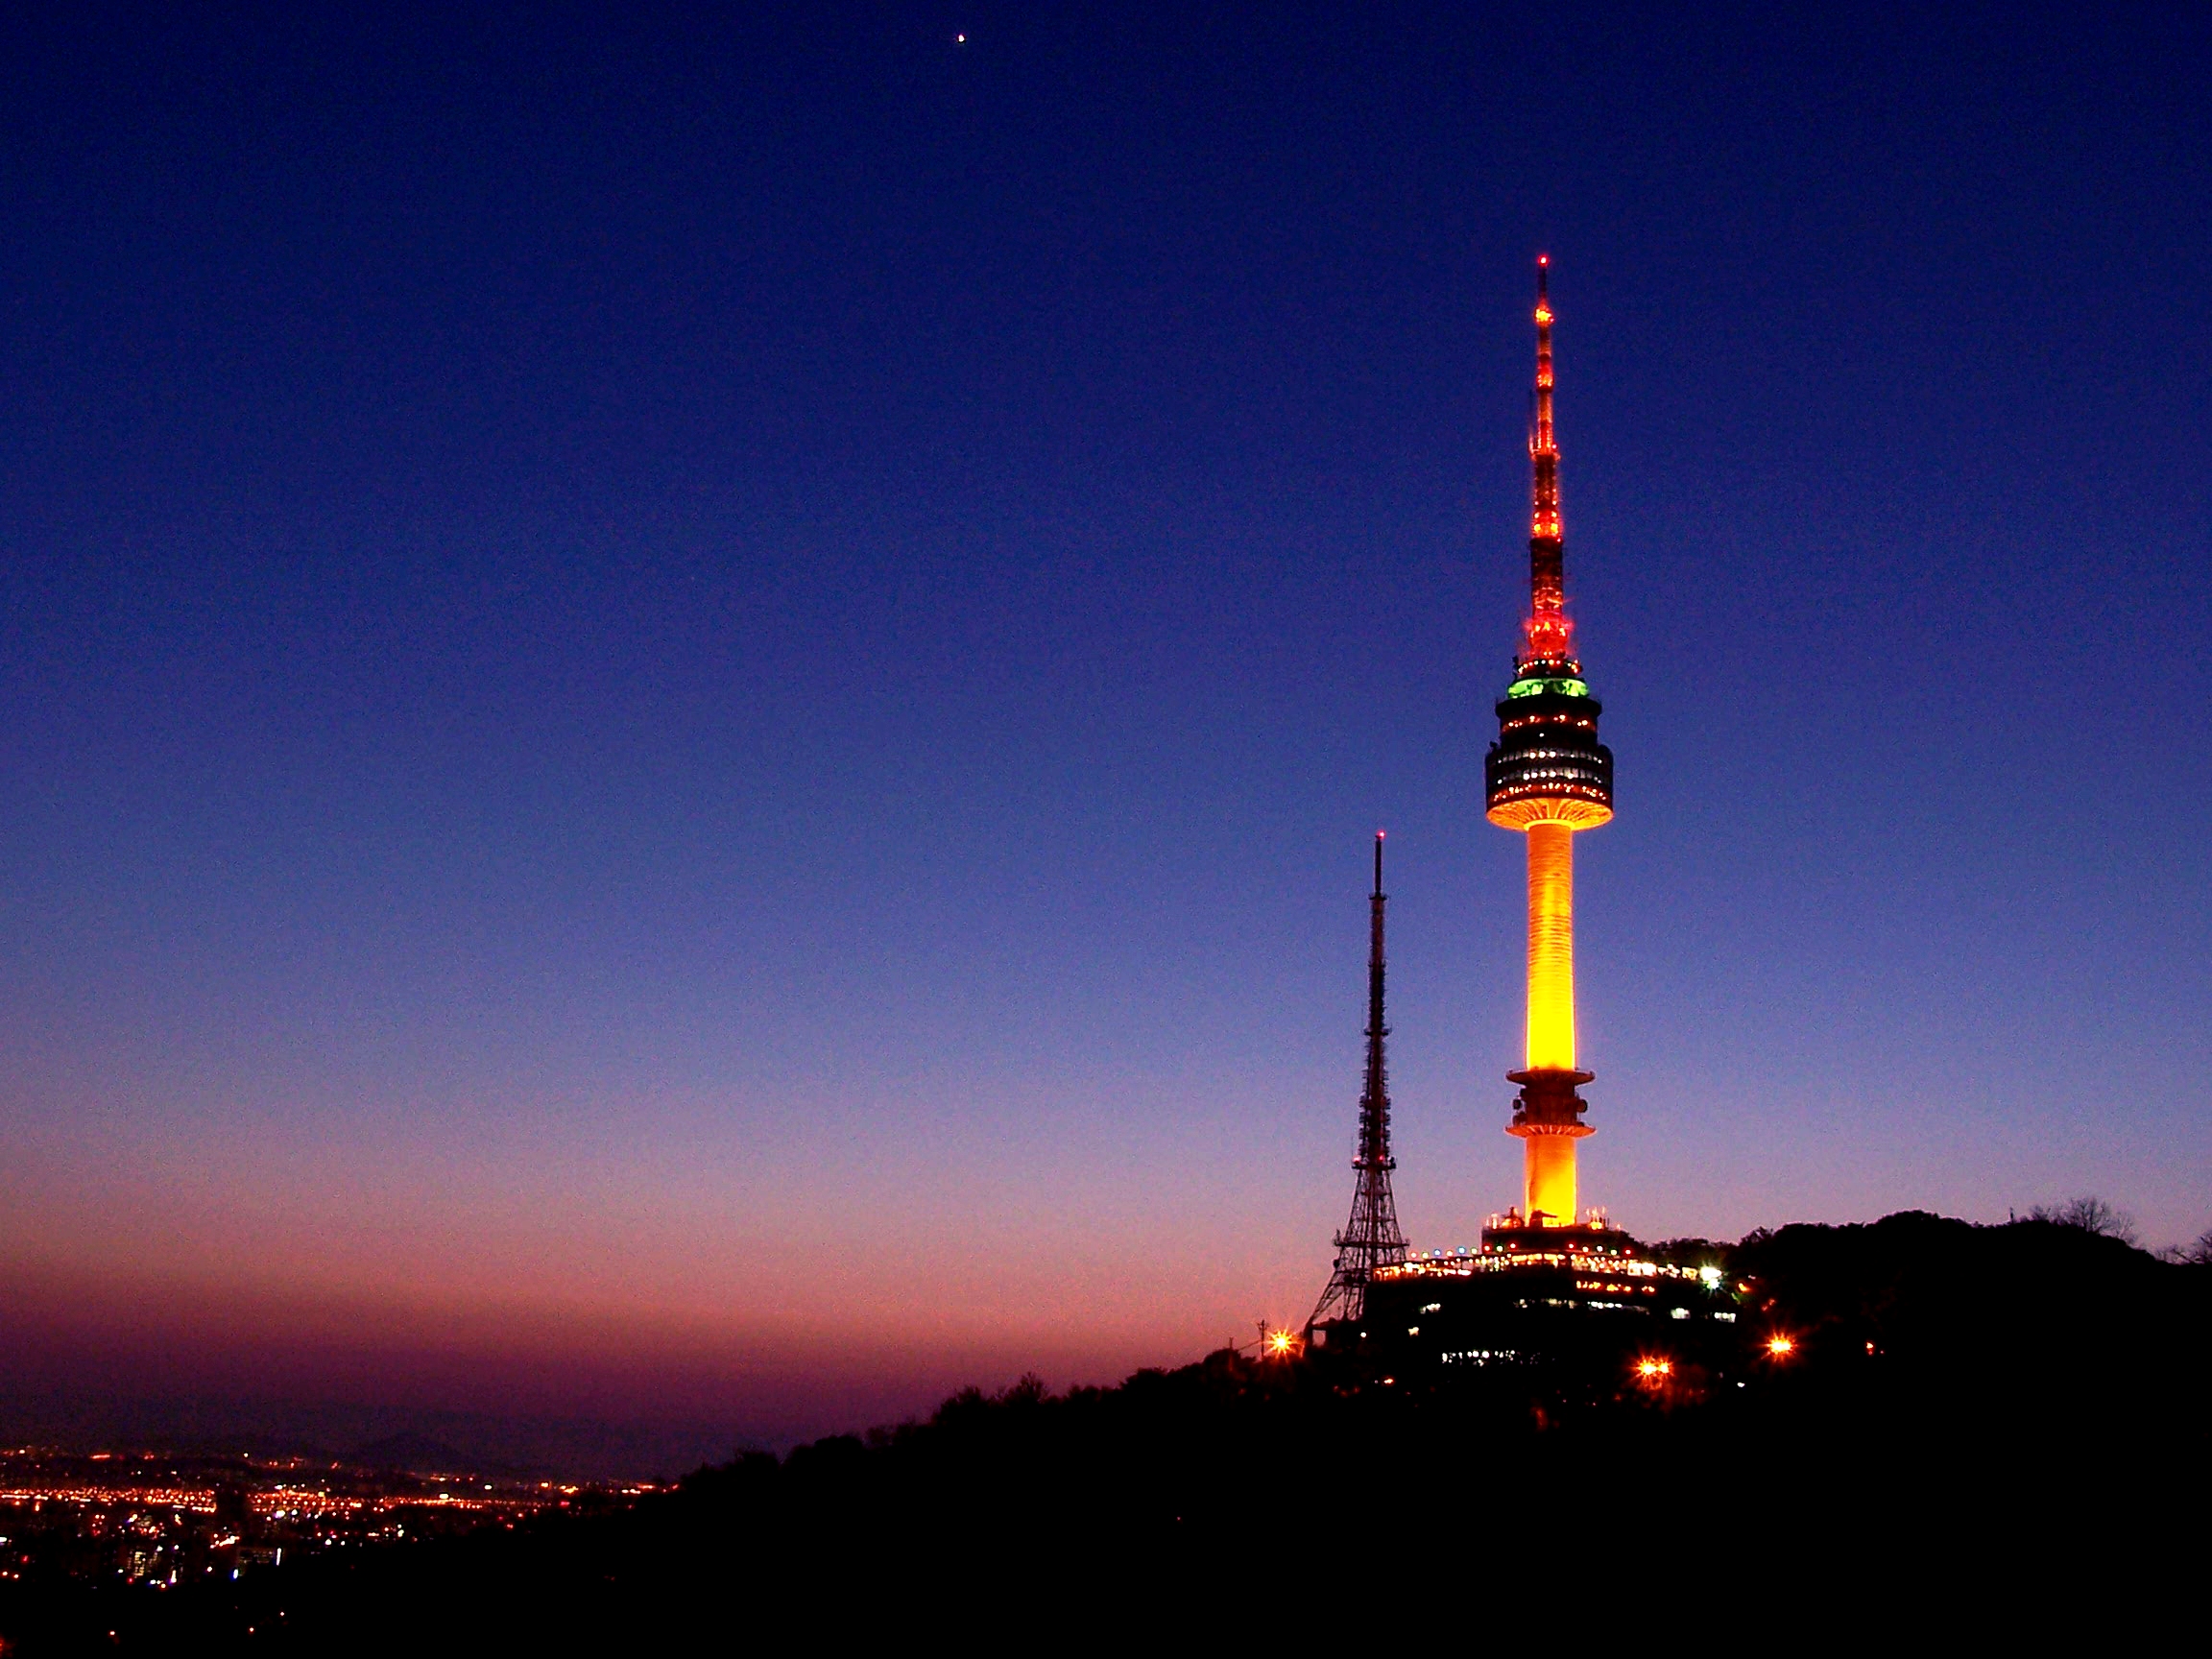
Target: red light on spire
x=1547 y=635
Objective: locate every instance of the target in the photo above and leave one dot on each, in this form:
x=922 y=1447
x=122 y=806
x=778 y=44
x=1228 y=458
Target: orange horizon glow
x=249 y=1276
x=145 y=1336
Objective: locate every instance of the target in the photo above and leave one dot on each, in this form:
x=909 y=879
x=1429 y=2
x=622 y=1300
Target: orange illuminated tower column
x=1548 y=777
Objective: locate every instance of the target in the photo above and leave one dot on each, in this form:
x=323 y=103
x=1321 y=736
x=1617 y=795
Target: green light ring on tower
x=1556 y=687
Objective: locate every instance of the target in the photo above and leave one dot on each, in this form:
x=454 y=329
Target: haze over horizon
x=693 y=702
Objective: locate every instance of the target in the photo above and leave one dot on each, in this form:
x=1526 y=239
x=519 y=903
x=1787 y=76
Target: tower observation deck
x=1548 y=777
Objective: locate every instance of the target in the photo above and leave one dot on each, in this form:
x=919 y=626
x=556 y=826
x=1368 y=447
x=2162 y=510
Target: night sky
x=692 y=701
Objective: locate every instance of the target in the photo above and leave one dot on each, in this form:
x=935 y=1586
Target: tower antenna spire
x=1547 y=636
x=1371 y=1239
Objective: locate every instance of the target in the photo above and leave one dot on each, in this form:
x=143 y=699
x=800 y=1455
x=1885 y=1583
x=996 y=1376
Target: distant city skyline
x=694 y=706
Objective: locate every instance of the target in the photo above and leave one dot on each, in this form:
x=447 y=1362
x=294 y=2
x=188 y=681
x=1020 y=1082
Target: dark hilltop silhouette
x=1950 y=1402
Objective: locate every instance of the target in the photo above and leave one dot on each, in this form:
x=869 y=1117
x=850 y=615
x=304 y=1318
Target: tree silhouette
x=2089 y=1215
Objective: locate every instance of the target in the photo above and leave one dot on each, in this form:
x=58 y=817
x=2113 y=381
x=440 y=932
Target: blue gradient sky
x=692 y=700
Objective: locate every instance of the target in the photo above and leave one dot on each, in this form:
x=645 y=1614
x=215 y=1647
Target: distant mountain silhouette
x=411 y=1454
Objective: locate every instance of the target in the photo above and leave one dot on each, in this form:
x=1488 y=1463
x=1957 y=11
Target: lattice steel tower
x=1371 y=1239
x=1547 y=776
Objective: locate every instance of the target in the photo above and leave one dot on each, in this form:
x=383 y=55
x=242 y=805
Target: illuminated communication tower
x=1370 y=1239
x=1548 y=777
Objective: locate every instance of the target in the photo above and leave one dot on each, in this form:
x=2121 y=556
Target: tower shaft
x=1550 y=947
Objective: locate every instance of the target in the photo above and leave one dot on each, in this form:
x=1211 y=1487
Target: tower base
x=1546 y=1116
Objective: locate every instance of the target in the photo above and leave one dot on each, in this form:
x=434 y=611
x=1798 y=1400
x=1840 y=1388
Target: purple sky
x=692 y=704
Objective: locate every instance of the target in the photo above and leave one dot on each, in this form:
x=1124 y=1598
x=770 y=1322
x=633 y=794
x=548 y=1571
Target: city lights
x=162 y=1519
x=1781 y=1347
